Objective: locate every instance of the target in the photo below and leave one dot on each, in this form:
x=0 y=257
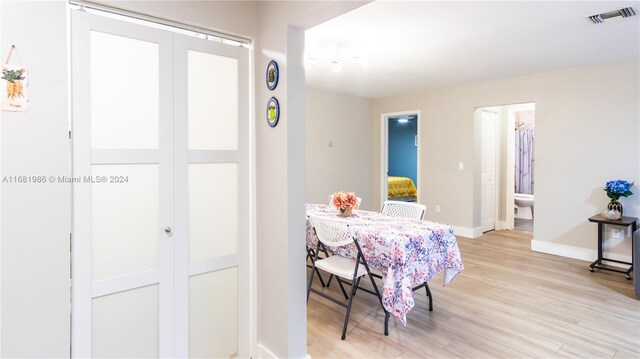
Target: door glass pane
x=125 y=229
x=125 y=324
x=213 y=210
x=213 y=314
x=213 y=102
x=124 y=92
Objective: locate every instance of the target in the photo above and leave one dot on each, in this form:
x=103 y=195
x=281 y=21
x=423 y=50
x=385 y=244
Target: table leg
x=599 y=260
x=628 y=273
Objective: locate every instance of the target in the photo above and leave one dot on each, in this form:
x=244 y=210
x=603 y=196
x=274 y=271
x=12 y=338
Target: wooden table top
x=624 y=221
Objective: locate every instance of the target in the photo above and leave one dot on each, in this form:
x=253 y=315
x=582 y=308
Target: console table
x=624 y=221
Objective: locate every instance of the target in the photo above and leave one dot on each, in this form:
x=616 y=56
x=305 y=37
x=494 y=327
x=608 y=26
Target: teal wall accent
x=403 y=153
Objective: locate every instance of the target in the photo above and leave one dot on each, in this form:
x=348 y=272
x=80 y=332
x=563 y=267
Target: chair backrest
x=358 y=200
x=404 y=209
x=332 y=232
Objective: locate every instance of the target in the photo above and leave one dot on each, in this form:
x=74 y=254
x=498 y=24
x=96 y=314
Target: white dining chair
x=335 y=232
x=407 y=210
x=404 y=209
x=310 y=251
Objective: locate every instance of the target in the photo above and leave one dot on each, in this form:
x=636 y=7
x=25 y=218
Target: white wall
x=36 y=217
x=280 y=174
x=587 y=125
x=345 y=121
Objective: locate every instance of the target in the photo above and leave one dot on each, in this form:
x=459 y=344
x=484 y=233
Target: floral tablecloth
x=407 y=251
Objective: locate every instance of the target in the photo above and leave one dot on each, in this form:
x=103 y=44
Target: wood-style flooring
x=509 y=302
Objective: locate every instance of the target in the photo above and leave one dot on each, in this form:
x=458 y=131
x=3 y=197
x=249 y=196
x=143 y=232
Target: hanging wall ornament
x=14 y=85
x=272 y=75
x=273 y=112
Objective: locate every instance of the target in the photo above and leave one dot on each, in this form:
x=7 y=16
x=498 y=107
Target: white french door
x=160 y=198
x=488 y=169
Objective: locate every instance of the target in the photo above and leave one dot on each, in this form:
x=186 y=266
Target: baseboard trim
x=584 y=254
x=500 y=225
x=467 y=232
x=264 y=352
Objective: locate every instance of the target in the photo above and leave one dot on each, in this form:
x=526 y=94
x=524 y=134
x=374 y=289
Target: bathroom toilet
x=523 y=205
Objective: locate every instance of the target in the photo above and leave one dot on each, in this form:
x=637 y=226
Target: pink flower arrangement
x=345 y=201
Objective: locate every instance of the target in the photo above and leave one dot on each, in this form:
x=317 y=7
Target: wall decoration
x=272 y=74
x=14 y=85
x=273 y=112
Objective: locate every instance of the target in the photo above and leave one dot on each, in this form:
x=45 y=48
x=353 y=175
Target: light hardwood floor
x=509 y=302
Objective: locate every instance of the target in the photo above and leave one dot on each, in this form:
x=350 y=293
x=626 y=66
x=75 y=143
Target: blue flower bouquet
x=615 y=190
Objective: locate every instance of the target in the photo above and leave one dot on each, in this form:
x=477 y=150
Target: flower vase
x=345 y=212
x=615 y=206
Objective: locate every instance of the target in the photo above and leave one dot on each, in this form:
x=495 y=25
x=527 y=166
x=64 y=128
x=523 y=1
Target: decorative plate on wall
x=272 y=75
x=273 y=112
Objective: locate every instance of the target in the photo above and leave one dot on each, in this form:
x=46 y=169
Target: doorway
x=159 y=252
x=400 y=167
x=505 y=165
x=522 y=118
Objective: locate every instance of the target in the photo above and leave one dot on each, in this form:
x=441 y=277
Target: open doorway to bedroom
x=400 y=156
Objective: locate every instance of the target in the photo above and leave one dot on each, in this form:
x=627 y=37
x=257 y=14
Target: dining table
x=406 y=251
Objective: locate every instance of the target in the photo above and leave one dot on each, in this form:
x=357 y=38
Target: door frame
x=509 y=201
x=384 y=152
x=506 y=112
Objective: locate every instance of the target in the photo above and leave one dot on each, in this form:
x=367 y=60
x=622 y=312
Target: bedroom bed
x=401 y=187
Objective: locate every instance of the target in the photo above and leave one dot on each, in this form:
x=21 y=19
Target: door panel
x=212 y=101
x=213 y=329
x=488 y=159
x=211 y=162
x=125 y=229
x=119 y=317
x=123 y=143
x=213 y=210
x=124 y=92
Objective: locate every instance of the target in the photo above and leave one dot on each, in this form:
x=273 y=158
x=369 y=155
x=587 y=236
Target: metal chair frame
x=356 y=277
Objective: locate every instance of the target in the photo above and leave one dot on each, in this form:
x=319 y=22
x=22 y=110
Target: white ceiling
x=419 y=45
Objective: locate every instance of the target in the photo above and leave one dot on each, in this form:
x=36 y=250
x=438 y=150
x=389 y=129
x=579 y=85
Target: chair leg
x=320 y=278
x=313 y=270
x=344 y=292
x=309 y=285
x=346 y=317
x=324 y=249
x=357 y=285
x=429 y=295
x=330 y=279
x=386 y=313
x=386 y=323
x=310 y=255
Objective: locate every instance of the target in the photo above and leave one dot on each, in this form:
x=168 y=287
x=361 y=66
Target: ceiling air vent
x=599 y=18
x=627 y=11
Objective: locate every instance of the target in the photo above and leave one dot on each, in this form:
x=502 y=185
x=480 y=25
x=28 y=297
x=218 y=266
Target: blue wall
x=403 y=154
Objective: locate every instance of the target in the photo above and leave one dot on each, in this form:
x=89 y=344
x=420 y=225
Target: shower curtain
x=524 y=161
